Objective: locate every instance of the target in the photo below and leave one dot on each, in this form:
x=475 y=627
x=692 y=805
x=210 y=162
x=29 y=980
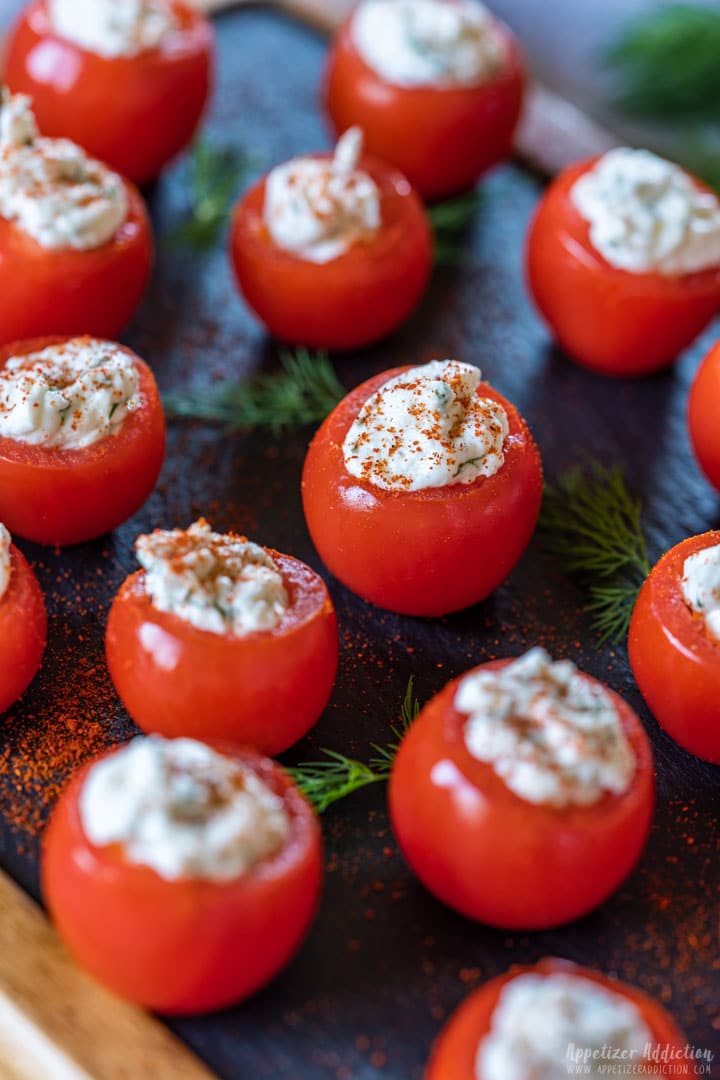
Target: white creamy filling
x=552 y=736
x=647 y=216
x=68 y=396
x=182 y=809
x=5 y=562
x=539 y=1019
x=217 y=581
x=51 y=189
x=318 y=208
x=113 y=28
x=428 y=42
x=427 y=428
x=701 y=586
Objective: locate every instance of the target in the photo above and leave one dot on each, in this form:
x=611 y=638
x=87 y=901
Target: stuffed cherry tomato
x=674 y=644
x=75 y=240
x=219 y=638
x=422 y=489
x=82 y=437
x=703 y=411
x=127 y=81
x=436 y=85
x=181 y=875
x=332 y=252
x=23 y=623
x=623 y=261
x=522 y=795
x=555 y=1019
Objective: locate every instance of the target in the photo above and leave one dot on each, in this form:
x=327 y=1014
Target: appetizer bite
x=436 y=85
x=82 y=437
x=422 y=488
x=75 y=237
x=126 y=79
x=181 y=875
x=219 y=638
x=553 y=1020
x=674 y=644
x=332 y=251
x=623 y=261
x=703 y=414
x=23 y=623
x=522 y=794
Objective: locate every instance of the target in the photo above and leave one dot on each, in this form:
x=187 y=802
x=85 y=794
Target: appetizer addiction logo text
x=653 y=1062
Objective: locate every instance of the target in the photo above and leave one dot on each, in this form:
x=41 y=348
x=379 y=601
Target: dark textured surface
x=385 y=964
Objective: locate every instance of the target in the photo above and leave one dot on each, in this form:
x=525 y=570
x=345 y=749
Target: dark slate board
x=385 y=964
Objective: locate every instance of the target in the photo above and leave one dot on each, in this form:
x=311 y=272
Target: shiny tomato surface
x=23 y=627
x=187 y=945
x=610 y=320
x=424 y=552
x=703 y=413
x=496 y=857
x=675 y=661
x=455 y=1052
x=264 y=689
x=70 y=292
x=133 y=112
x=59 y=496
x=443 y=138
x=355 y=298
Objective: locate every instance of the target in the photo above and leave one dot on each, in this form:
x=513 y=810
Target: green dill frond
x=334 y=777
x=303 y=392
x=449 y=220
x=215 y=177
x=591 y=522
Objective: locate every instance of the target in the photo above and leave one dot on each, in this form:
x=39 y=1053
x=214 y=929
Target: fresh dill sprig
x=591 y=522
x=304 y=391
x=667 y=64
x=334 y=777
x=216 y=174
x=449 y=220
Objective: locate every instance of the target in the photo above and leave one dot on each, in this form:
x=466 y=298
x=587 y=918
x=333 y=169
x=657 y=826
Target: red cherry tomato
x=443 y=138
x=703 y=411
x=74 y=292
x=454 y=1055
x=23 y=626
x=609 y=320
x=187 y=945
x=264 y=689
x=416 y=552
x=500 y=859
x=675 y=661
x=355 y=298
x=58 y=496
x=133 y=112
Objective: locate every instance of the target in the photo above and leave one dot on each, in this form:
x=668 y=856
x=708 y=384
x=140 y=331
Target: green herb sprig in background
x=335 y=776
x=593 y=524
x=216 y=176
x=449 y=220
x=303 y=392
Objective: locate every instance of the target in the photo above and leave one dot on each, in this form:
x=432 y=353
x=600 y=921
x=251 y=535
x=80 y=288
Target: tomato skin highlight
x=609 y=320
x=495 y=857
x=453 y=1056
x=353 y=300
x=189 y=945
x=675 y=662
x=442 y=138
x=703 y=409
x=403 y=550
x=265 y=689
x=68 y=292
x=23 y=630
x=135 y=113
x=63 y=497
